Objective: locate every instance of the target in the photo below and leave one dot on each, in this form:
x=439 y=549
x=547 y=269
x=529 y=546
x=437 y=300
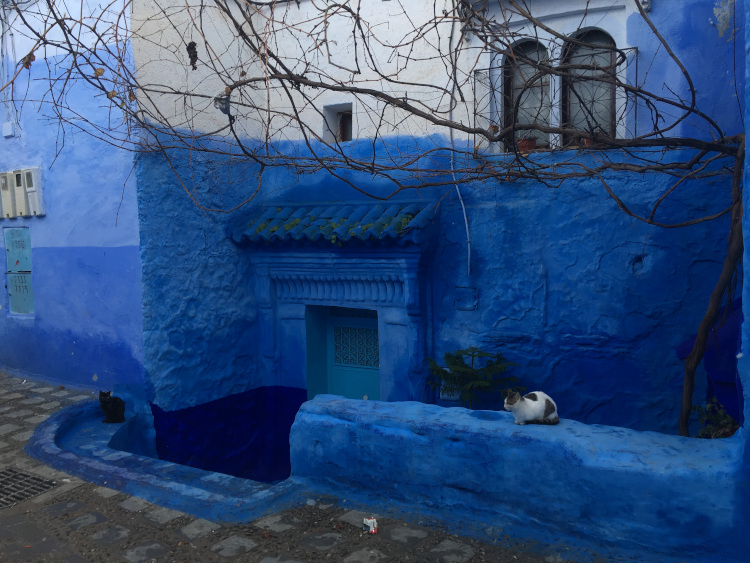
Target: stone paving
x=76 y=521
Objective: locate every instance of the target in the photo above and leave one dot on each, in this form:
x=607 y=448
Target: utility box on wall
x=18 y=256
x=21 y=193
x=7 y=196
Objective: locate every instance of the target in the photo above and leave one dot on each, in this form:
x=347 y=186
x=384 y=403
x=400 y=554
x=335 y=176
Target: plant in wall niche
x=468 y=379
x=715 y=422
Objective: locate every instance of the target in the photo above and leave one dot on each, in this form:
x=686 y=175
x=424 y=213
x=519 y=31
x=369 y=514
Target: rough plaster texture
x=566 y=277
x=711 y=54
x=588 y=302
x=743 y=362
x=198 y=308
x=86 y=328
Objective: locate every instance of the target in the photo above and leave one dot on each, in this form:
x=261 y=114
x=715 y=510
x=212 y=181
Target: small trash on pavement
x=370 y=525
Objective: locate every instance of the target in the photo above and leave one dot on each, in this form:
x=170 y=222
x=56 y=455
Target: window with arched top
x=526 y=100
x=588 y=86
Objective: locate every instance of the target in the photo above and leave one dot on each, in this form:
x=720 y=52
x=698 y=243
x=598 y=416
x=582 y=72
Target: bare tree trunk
x=734 y=255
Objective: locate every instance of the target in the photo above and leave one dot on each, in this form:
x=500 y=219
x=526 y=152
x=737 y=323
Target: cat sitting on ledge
x=532 y=408
x=113 y=407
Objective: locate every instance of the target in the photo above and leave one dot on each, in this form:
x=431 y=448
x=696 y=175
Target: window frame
x=511 y=68
x=345 y=126
x=335 y=118
x=491 y=102
x=568 y=82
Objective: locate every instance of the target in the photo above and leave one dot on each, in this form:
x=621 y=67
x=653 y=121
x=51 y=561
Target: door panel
x=354 y=355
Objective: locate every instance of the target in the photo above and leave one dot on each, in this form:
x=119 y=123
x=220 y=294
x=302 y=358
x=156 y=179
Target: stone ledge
x=75 y=441
x=597 y=487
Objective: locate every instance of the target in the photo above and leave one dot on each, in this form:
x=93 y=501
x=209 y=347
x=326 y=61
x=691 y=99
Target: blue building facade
x=589 y=303
x=316 y=288
x=76 y=319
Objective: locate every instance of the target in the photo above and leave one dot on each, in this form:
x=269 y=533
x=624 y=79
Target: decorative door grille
x=354 y=346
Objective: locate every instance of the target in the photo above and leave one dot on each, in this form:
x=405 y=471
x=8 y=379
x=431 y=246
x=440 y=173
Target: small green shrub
x=467 y=380
x=714 y=421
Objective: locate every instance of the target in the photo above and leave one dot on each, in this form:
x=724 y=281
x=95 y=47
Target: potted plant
x=466 y=380
x=714 y=421
x=526 y=143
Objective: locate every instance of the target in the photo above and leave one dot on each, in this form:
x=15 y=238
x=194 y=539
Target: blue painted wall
x=588 y=302
x=707 y=38
x=743 y=363
x=198 y=331
x=86 y=329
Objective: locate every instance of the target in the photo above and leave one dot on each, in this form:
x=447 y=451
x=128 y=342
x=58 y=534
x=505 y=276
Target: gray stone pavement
x=69 y=520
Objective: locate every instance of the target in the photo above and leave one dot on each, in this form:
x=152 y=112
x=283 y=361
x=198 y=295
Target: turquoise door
x=353 y=353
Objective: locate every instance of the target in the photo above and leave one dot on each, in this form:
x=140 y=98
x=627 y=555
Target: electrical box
x=20 y=294
x=7 y=195
x=18 y=260
x=21 y=193
x=22 y=204
x=32 y=181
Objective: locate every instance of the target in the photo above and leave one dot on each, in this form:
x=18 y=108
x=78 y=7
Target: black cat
x=113 y=407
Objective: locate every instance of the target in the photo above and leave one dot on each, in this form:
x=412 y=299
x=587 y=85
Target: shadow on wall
x=720 y=361
x=245 y=435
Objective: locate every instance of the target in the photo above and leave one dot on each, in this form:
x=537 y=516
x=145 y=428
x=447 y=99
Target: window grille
x=588 y=94
x=616 y=116
x=527 y=93
x=354 y=346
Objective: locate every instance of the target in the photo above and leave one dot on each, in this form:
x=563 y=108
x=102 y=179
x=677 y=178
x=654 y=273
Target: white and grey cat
x=532 y=408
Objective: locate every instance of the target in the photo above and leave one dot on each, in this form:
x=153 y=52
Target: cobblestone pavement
x=69 y=520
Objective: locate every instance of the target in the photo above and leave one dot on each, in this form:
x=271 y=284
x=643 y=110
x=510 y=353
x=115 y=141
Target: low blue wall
x=612 y=490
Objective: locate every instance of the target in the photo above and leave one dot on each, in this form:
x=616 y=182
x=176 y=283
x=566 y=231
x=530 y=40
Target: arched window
x=588 y=94
x=526 y=100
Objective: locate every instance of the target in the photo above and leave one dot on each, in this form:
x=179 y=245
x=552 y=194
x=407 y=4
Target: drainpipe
x=453 y=141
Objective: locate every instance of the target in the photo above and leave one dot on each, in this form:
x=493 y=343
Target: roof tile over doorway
x=337 y=224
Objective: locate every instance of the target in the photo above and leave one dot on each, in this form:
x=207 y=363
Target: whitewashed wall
x=406 y=44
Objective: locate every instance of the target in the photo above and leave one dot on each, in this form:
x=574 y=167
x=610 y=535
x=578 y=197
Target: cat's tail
x=547 y=421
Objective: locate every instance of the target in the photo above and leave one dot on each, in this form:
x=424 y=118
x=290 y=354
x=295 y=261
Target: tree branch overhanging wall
x=263 y=83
